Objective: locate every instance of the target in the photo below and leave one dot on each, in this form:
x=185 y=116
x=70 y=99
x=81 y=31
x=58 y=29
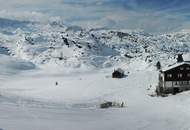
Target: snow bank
x=10 y=65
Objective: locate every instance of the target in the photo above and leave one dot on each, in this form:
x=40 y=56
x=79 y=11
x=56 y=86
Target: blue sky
x=149 y=15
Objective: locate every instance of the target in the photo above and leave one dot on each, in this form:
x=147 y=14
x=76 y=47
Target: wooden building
x=175 y=78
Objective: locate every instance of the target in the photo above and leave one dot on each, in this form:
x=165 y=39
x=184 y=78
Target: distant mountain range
x=59 y=45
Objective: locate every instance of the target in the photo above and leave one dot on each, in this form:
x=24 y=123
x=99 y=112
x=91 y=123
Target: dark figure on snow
x=158 y=65
x=122 y=104
x=180 y=58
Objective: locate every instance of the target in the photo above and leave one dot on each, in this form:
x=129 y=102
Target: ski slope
x=30 y=100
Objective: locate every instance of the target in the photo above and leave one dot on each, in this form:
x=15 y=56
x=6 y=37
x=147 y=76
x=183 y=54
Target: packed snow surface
x=55 y=77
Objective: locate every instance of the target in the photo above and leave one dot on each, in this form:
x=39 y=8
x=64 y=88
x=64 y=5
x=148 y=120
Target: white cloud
x=24 y=16
x=93 y=13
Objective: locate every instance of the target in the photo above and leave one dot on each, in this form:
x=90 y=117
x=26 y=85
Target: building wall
x=161 y=80
x=174 y=84
x=168 y=84
x=180 y=73
x=181 y=85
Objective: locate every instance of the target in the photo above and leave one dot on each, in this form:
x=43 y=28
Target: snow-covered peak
x=59 y=45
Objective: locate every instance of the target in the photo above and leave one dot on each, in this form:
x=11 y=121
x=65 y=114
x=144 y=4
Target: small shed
x=118 y=73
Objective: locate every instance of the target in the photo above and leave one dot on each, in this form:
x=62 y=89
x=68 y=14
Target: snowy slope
x=34 y=58
x=34 y=99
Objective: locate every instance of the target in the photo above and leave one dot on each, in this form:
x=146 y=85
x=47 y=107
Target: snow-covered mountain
x=59 y=45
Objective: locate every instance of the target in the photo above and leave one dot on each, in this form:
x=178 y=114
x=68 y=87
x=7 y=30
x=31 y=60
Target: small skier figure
x=56 y=83
x=122 y=104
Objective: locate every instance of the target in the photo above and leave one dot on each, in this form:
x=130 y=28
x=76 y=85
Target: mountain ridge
x=98 y=48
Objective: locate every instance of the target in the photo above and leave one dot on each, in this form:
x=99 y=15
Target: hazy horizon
x=149 y=15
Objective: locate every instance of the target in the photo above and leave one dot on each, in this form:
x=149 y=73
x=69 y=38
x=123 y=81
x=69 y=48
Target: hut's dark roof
x=119 y=70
